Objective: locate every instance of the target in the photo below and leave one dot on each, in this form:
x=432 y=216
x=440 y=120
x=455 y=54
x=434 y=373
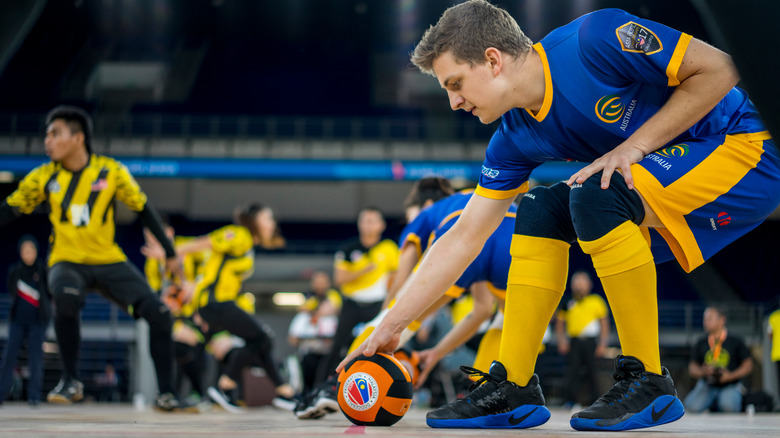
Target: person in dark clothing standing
x=28 y=318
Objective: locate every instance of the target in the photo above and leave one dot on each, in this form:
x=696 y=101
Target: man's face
x=320 y=282
x=60 y=142
x=713 y=321
x=471 y=89
x=370 y=223
x=580 y=285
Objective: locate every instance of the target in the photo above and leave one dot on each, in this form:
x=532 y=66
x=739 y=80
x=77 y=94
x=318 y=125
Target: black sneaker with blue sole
x=637 y=400
x=493 y=403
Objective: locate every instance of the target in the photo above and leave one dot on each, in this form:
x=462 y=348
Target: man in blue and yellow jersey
x=696 y=170
x=80 y=188
x=582 y=330
x=485 y=278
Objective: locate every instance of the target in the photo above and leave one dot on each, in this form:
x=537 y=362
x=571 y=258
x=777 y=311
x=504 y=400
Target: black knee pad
x=544 y=212
x=67 y=289
x=67 y=306
x=595 y=211
x=154 y=312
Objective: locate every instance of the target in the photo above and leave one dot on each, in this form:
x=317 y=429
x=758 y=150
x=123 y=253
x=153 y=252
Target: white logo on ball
x=355 y=380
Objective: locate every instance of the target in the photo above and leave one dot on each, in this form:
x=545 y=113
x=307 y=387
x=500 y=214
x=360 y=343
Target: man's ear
x=495 y=58
x=81 y=138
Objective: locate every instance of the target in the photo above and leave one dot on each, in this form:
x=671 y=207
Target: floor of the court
x=122 y=420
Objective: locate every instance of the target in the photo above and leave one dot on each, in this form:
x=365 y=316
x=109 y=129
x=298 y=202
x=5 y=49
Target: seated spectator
x=719 y=361
x=312 y=329
x=107 y=384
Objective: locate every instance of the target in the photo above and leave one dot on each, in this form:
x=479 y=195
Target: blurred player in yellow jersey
x=582 y=330
x=188 y=340
x=80 y=188
x=231 y=261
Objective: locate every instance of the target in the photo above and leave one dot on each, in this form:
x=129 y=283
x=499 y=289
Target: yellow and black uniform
x=189 y=356
x=192 y=266
x=371 y=286
x=583 y=328
x=84 y=255
x=363 y=296
x=231 y=261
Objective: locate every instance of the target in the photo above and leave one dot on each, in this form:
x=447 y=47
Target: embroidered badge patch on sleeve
x=639 y=39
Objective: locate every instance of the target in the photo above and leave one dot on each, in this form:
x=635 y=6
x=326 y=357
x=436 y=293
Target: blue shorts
x=707 y=192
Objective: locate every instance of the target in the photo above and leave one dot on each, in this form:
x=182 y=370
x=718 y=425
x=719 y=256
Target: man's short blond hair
x=467 y=30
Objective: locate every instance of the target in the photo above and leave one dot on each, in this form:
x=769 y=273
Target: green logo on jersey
x=610 y=108
x=678 y=150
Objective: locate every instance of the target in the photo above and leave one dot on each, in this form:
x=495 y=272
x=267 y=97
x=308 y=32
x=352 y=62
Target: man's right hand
x=382 y=340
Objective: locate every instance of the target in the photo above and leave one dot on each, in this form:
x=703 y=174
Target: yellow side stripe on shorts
x=713 y=177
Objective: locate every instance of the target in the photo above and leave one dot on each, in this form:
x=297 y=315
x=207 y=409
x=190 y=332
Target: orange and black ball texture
x=375 y=391
x=411 y=361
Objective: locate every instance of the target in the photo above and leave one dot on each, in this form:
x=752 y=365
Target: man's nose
x=456 y=100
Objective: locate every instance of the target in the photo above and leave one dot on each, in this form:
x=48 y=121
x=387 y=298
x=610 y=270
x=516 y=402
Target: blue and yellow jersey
x=371 y=286
x=232 y=260
x=492 y=263
x=606 y=73
x=81 y=207
x=421 y=231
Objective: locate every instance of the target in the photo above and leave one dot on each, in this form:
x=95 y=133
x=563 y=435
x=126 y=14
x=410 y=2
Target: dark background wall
x=290 y=58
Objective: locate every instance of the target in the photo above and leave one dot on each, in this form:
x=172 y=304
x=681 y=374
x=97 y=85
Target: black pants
x=190 y=359
x=259 y=345
x=352 y=314
x=581 y=370
x=124 y=285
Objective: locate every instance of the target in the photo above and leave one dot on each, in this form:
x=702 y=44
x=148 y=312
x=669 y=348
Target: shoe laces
x=483 y=377
x=627 y=381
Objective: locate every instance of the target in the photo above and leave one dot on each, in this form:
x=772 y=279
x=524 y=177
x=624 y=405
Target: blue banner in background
x=291 y=170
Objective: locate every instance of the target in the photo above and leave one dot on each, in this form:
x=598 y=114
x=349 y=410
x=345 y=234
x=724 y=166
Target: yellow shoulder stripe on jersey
x=674 y=64
x=413 y=239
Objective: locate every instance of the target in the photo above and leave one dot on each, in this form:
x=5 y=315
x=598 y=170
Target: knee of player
x=66 y=306
x=544 y=212
x=596 y=211
x=154 y=312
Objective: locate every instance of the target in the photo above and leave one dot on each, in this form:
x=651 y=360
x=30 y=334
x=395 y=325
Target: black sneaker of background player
x=166 y=402
x=321 y=401
x=67 y=391
x=224 y=401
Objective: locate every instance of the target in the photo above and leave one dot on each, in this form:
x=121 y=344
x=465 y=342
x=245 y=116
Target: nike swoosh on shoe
x=515 y=421
x=657 y=415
